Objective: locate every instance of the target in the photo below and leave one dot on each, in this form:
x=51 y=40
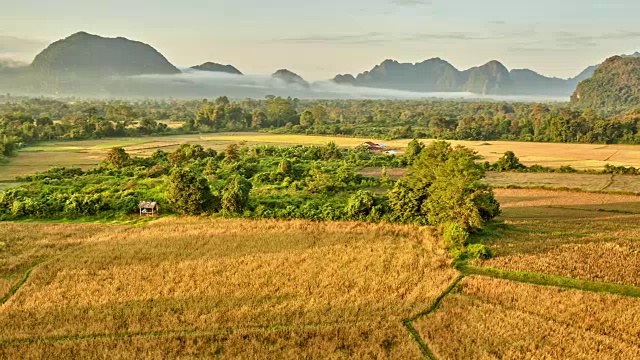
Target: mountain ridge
x=438 y=75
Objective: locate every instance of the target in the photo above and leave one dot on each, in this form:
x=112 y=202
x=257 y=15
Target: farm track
x=14 y=289
x=521 y=277
x=609 y=183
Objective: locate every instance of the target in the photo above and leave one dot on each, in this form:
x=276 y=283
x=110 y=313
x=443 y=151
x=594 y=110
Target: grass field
x=579 y=235
x=195 y=288
x=486 y=318
x=87 y=153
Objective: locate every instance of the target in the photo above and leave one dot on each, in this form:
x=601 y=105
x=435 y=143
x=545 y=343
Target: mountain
x=290 y=77
x=347 y=79
x=615 y=84
x=437 y=75
x=529 y=82
x=430 y=75
x=490 y=78
x=215 y=67
x=433 y=75
x=588 y=72
x=84 y=55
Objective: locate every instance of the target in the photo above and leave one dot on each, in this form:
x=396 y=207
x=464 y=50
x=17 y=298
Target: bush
x=454 y=235
x=479 y=251
x=360 y=205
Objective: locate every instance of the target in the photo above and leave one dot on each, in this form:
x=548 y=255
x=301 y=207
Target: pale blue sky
x=319 y=39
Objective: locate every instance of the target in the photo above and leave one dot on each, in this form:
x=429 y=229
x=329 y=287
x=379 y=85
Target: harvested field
x=234 y=287
x=487 y=318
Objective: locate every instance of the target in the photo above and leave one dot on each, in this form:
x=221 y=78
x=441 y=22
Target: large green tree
x=235 y=195
x=443 y=185
x=189 y=193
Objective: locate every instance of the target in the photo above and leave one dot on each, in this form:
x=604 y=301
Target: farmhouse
x=148 y=208
x=371 y=146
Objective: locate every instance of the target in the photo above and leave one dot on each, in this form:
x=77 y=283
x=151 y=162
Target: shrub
x=454 y=236
x=479 y=251
x=235 y=195
x=360 y=205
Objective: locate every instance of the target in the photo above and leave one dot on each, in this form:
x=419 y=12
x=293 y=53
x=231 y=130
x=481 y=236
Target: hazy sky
x=319 y=39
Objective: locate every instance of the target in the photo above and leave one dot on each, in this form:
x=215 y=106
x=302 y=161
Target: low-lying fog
x=204 y=84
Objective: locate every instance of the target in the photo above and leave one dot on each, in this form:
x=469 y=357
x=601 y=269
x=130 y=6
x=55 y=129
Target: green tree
x=414 y=148
x=307 y=118
x=443 y=186
x=281 y=112
x=187 y=152
x=259 y=119
x=360 y=205
x=235 y=195
x=117 y=157
x=232 y=153
x=189 y=193
x=509 y=161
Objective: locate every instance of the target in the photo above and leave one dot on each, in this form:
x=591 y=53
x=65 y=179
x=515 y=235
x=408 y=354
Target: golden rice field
x=87 y=153
x=486 y=318
x=23 y=246
x=192 y=288
x=573 y=234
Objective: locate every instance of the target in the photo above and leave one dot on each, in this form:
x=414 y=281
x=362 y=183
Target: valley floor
x=563 y=284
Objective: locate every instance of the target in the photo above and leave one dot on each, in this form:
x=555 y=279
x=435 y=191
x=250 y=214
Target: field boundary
x=408 y=323
x=552 y=280
x=27 y=274
x=531 y=278
x=14 y=289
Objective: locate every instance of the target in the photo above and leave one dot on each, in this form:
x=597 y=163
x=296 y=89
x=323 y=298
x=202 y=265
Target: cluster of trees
x=310 y=182
x=24 y=120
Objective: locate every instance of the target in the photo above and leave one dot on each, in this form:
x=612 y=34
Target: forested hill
x=215 y=67
x=87 y=55
x=614 y=85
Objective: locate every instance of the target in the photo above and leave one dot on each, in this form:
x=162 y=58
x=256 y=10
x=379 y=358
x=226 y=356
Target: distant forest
x=28 y=120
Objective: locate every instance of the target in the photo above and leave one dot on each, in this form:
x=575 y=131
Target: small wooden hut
x=148 y=208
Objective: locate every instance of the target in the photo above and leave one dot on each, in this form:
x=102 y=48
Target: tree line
x=28 y=120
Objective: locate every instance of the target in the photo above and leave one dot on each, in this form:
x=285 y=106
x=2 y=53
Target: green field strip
x=552 y=280
x=408 y=323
